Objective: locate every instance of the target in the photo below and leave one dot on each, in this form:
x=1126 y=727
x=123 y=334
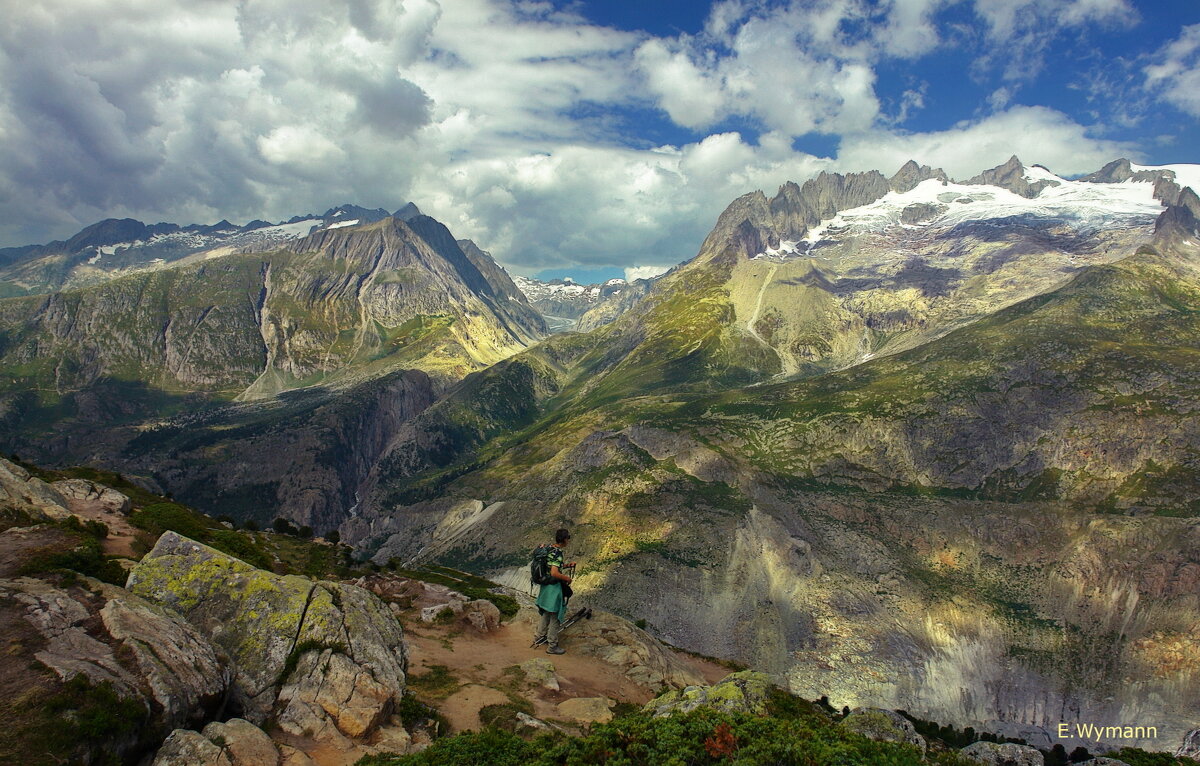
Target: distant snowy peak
x=565 y=299
x=1121 y=194
x=535 y=289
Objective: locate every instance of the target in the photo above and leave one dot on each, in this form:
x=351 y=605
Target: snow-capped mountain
x=934 y=207
x=115 y=247
x=563 y=301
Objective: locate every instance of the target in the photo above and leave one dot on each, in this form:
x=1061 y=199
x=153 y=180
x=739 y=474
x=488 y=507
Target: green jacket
x=550 y=597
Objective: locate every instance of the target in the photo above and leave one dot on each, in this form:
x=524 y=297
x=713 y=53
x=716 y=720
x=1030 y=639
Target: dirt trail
x=121 y=534
x=478 y=661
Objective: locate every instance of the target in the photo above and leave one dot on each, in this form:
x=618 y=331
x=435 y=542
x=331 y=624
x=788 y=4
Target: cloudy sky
x=566 y=137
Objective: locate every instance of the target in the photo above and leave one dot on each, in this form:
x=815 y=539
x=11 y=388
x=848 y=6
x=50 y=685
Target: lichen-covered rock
x=244 y=743
x=587 y=709
x=541 y=672
x=189 y=748
x=253 y=615
x=21 y=491
x=92 y=493
x=1007 y=754
x=743 y=692
x=883 y=726
x=1191 y=745
x=336 y=650
x=1103 y=761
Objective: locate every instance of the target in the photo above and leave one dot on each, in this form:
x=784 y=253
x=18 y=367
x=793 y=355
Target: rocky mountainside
x=367 y=323
x=986 y=514
x=117 y=247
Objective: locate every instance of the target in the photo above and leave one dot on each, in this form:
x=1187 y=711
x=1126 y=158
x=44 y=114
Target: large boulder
x=1191 y=745
x=883 y=726
x=325 y=659
x=244 y=743
x=743 y=692
x=1007 y=754
x=189 y=748
x=22 y=492
x=93 y=495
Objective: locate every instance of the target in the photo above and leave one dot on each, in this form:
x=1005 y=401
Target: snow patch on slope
x=1082 y=206
x=1185 y=175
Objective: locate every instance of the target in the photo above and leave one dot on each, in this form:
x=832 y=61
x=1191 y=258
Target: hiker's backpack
x=539 y=567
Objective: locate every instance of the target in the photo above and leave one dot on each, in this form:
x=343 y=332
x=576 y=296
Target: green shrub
x=704 y=736
x=163 y=517
x=86 y=558
x=93 y=713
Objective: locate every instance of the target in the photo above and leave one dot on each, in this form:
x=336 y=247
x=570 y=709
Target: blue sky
x=581 y=138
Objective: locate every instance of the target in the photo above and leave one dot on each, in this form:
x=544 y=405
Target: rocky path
x=483 y=663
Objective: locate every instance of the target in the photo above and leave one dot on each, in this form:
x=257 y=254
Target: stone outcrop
x=185 y=747
x=327 y=659
x=106 y=498
x=540 y=671
x=147 y=653
x=1191 y=745
x=743 y=692
x=1007 y=754
x=587 y=709
x=883 y=726
x=20 y=491
x=645 y=660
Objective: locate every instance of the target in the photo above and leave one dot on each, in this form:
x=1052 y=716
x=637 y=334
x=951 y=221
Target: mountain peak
x=1012 y=175
x=910 y=174
x=408 y=212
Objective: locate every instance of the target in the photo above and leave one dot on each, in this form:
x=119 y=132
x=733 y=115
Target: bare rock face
x=326 y=659
x=243 y=743
x=20 y=491
x=645 y=660
x=1191 y=745
x=92 y=493
x=147 y=653
x=1007 y=754
x=188 y=748
x=883 y=726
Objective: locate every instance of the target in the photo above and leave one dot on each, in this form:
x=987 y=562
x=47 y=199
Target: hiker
x=552 y=600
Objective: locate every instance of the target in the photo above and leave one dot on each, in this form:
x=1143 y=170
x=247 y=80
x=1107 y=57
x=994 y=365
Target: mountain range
x=901 y=441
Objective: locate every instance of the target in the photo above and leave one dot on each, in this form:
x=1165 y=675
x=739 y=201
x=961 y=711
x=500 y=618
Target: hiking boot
x=556 y=649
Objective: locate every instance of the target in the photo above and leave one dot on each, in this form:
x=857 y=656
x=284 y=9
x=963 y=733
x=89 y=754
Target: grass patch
x=438 y=682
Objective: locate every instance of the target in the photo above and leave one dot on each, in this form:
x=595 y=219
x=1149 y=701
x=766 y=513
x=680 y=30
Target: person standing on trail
x=552 y=600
